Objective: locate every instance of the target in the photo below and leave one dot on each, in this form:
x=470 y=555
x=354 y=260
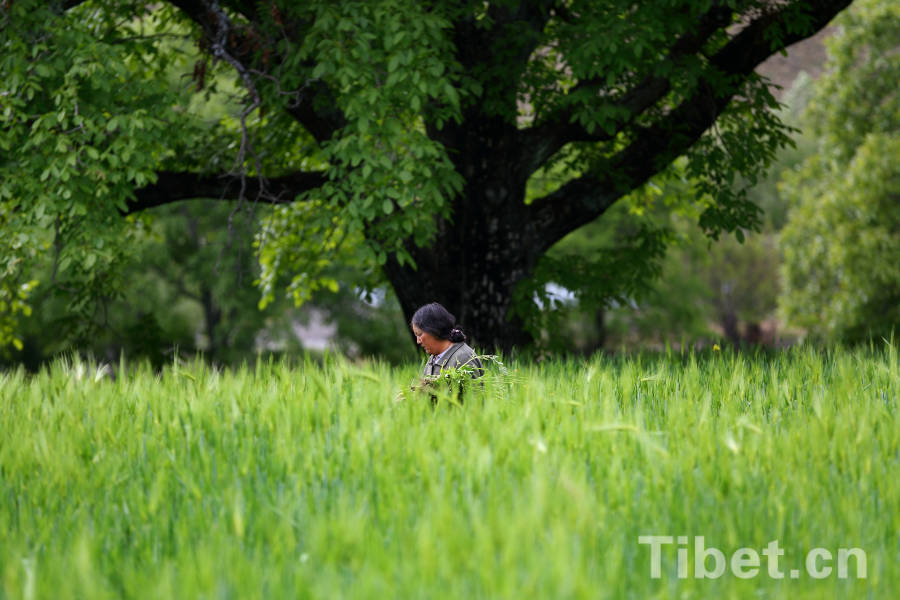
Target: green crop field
x=316 y=480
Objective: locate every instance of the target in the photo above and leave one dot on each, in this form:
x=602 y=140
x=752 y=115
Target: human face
x=431 y=344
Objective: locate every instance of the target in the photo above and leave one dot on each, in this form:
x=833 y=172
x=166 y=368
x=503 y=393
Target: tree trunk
x=729 y=321
x=600 y=324
x=476 y=259
x=474 y=280
x=212 y=315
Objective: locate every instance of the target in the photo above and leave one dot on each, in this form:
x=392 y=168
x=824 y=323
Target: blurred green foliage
x=188 y=287
x=842 y=242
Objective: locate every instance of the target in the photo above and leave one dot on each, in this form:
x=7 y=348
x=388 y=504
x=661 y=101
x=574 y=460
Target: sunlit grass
x=311 y=481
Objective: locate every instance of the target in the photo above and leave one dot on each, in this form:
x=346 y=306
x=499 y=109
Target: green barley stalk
x=282 y=481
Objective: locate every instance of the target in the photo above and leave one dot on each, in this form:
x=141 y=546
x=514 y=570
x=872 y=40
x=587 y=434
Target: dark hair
x=436 y=320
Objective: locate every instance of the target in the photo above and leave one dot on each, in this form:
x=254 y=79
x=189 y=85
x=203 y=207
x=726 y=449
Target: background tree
x=842 y=242
x=398 y=136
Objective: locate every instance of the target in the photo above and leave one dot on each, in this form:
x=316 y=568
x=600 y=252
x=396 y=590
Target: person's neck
x=447 y=344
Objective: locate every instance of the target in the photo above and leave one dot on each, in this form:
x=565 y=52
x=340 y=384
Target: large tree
x=397 y=134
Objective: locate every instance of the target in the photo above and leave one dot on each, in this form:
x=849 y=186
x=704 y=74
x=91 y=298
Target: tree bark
x=477 y=259
x=473 y=278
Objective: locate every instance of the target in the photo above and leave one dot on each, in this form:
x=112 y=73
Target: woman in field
x=436 y=331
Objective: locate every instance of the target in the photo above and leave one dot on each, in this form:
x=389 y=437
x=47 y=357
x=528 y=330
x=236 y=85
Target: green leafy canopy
x=376 y=128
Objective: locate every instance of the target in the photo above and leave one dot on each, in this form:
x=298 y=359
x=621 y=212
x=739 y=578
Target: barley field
x=319 y=480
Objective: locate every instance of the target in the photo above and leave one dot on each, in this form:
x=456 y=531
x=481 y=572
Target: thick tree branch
x=174 y=186
x=559 y=129
x=576 y=203
x=654 y=148
x=318 y=111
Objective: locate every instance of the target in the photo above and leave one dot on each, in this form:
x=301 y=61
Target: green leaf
x=452 y=96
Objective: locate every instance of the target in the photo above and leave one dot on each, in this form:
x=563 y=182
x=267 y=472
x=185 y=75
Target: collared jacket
x=458 y=355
